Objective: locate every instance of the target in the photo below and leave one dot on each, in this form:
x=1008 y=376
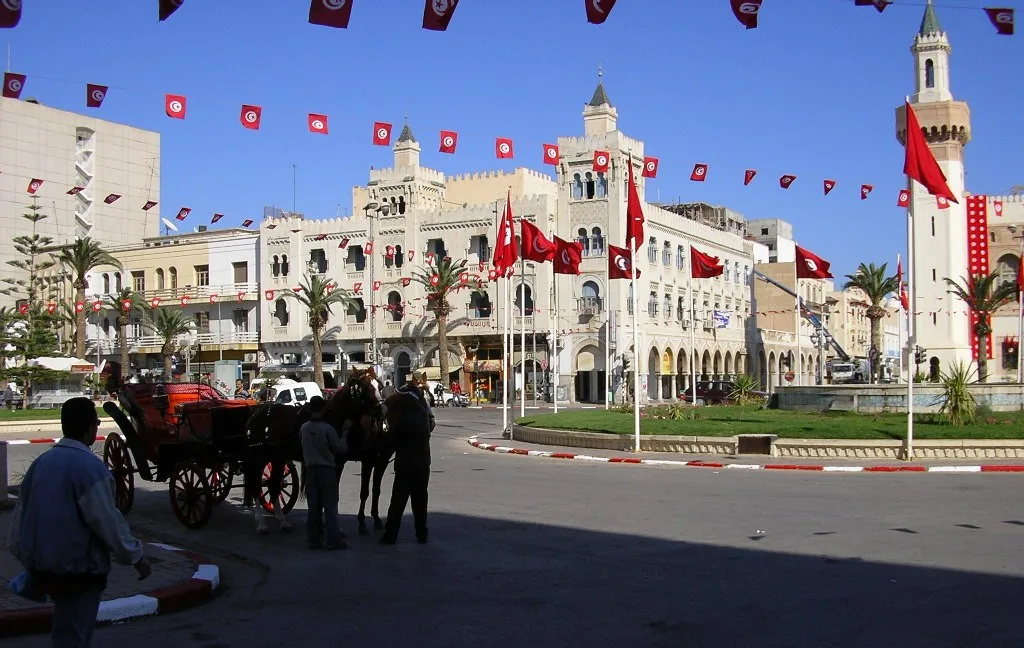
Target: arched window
x=395 y=307
x=577 y=187
x=275 y=266
x=160 y=279
x=356 y=311
x=280 y=313
x=117 y=281
x=399 y=256
x=725 y=272
x=106 y=326
x=588 y=185
x=591 y=289
x=480 y=304
x=284 y=265
x=602 y=185
x=106 y=284
x=520 y=289
x=929 y=73
x=597 y=240
x=1007 y=269
x=581 y=236
x=401 y=204
x=173 y=273
x=666 y=253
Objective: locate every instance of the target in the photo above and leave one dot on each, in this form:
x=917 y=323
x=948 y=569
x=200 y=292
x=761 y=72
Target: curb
x=173 y=598
x=48 y=440
x=990 y=468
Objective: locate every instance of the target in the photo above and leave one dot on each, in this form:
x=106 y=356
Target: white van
x=295 y=394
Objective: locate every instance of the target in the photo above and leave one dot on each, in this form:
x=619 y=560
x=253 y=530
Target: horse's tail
x=302 y=482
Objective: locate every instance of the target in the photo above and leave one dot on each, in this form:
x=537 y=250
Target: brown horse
x=273 y=441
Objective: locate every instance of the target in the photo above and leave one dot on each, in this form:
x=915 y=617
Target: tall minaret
x=940 y=236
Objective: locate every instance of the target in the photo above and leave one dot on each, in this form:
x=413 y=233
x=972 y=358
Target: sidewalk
x=495 y=443
x=180 y=580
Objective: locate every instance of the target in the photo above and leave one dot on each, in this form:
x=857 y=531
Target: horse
x=272 y=439
x=357 y=412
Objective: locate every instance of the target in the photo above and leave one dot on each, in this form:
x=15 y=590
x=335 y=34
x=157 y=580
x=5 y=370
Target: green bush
x=959 y=405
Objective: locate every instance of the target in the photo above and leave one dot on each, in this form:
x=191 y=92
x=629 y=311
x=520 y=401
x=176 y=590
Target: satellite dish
x=169 y=225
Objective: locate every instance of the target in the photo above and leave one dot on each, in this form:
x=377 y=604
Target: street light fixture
x=1020 y=302
x=370 y=209
x=821 y=338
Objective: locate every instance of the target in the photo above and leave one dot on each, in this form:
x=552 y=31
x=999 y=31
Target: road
x=528 y=551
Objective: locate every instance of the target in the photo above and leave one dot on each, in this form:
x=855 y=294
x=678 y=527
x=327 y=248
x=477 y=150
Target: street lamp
x=1020 y=301
x=821 y=338
x=370 y=209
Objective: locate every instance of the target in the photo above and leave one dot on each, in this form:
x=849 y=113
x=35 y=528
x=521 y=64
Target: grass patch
x=726 y=421
x=37 y=415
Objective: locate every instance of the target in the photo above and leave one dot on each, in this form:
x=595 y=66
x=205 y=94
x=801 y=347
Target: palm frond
x=873 y=282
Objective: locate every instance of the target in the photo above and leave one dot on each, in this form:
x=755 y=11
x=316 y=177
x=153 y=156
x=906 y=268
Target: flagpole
x=798 y=369
x=608 y=327
x=505 y=338
x=553 y=364
x=911 y=312
x=899 y=326
x=636 y=343
x=522 y=328
x=1020 y=314
x=693 y=335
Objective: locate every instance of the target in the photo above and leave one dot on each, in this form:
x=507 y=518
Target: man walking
x=411 y=427
x=66 y=527
x=321 y=446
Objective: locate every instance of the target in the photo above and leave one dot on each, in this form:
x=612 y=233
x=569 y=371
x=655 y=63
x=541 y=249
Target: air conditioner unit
x=249 y=357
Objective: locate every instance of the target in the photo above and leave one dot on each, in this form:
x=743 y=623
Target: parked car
x=449 y=399
x=715 y=392
x=295 y=394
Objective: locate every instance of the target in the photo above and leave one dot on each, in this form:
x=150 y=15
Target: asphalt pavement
x=529 y=551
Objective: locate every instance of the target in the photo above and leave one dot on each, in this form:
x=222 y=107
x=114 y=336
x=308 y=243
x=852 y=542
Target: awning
x=70 y=365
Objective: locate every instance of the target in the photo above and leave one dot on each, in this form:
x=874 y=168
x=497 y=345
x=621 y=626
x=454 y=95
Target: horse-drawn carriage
x=192 y=437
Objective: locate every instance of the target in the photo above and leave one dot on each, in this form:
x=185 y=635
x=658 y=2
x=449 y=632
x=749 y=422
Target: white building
x=66 y=150
x=777 y=235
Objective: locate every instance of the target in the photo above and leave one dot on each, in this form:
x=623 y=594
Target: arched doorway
x=718 y=365
x=770 y=377
x=667 y=375
x=705 y=366
x=682 y=372
x=589 y=378
x=403 y=367
x=527 y=383
x=653 y=365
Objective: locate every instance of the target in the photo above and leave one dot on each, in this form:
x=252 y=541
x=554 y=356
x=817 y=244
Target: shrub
x=958 y=404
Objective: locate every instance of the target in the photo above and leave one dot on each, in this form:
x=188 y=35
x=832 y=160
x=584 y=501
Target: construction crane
x=1016 y=190
x=807 y=314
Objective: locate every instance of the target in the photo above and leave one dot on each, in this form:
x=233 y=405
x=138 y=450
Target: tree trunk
x=122 y=334
x=168 y=353
x=876 y=342
x=80 y=322
x=442 y=347
x=982 y=357
x=318 y=357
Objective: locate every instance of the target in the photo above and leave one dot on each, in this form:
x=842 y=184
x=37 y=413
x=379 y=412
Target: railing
x=479 y=312
x=226 y=292
x=206 y=339
x=589 y=305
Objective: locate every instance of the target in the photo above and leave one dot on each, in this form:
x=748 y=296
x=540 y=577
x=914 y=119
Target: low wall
x=877 y=399
x=807 y=448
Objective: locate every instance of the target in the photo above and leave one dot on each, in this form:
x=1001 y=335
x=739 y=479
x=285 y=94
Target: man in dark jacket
x=410 y=425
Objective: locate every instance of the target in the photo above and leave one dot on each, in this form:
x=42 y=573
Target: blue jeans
x=322 y=498
x=74 y=618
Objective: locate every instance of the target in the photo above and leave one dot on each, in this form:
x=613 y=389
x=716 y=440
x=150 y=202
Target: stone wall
x=875 y=399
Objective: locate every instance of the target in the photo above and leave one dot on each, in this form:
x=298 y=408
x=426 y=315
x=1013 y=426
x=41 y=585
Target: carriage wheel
x=289 y=488
x=220 y=478
x=191 y=495
x=119 y=461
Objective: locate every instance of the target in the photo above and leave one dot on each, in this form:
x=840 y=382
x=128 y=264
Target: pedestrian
x=240 y=391
x=388 y=390
x=66 y=527
x=439 y=395
x=411 y=421
x=321 y=446
x=9 y=398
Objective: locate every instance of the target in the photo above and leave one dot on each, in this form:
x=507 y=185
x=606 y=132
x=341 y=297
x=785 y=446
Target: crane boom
x=806 y=313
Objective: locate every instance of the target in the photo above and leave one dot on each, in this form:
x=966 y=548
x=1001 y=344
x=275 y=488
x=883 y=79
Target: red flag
x=368 y=248
x=167 y=7
x=704 y=266
x=97 y=306
x=449 y=140
x=700 y=171
x=568 y=256
x=74 y=191
x=1002 y=20
x=880 y=5
x=941 y=202
x=330 y=13
x=247 y=222
x=997 y=207
x=183 y=213
x=184 y=300
x=381 y=134
x=748 y=175
x=23 y=308
x=438 y=13
x=10 y=14
x=650 y=167
x=376 y=286
x=746 y=12
x=503 y=148
x=175 y=105
x=50 y=308
x=634 y=213
x=150 y=204
x=865 y=189
x=598 y=10
x=811 y=266
x=13 y=83
x=829 y=186
x=536 y=246
x=1020 y=276
x=786 y=180
x=620 y=262
x=601 y=161
x=251 y=116
x=551 y=154
x=111 y=198
x=33 y=185
x=216 y=217
x=268 y=295
x=317 y=123
x=505 y=253
x=241 y=295
x=904 y=199
x=406 y=281
x=904 y=300
x=213 y=298
x=94 y=95
x=320 y=237
x=79 y=307
x=344 y=243
x=919 y=163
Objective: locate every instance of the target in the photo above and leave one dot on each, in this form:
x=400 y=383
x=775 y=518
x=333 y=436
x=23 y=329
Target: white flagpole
x=693 y=337
x=554 y=338
x=1020 y=317
x=506 y=342
x=899 y=325
x=636 y=345
x=522 y=331
x=503 y=300
x=911 y=313
x=798 y=369
x=608 y=328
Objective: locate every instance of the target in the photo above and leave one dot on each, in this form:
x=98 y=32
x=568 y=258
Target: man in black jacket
x=410 y=425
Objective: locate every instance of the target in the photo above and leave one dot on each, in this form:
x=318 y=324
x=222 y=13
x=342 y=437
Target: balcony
x=589 y=305
x=110 y=343
x=225 y=292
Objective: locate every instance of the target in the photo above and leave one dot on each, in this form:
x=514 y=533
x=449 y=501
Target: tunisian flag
x=920 y=164
x=904 y=300
x=620 y=262
x=634 y=213
x=505 y=253
x=568 y=256
x=704 y=266
x=811 y=266
x=536 y=246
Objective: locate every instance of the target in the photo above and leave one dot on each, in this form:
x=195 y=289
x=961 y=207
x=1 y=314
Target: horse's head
x=358 y=400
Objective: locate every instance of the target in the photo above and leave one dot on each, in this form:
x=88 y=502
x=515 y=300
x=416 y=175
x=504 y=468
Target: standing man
x=240 y=391
x=66 y=527
x=321 y=447
x=411 y=425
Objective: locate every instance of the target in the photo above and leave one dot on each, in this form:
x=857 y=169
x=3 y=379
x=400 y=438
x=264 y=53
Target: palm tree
x=319 y=296
x=125 y=303
x=168 y=324
x=983 y=295
x=872 y=281
x=441 y=280
x=80 y=258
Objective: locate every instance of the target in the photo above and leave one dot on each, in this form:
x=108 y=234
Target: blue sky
x=811 y=92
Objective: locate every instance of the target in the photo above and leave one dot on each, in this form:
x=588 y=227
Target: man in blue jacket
x=66 y=527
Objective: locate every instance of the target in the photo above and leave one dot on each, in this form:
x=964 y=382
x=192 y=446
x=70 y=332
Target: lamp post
x=821 y=338
x=1020 y=301
x=370 y=209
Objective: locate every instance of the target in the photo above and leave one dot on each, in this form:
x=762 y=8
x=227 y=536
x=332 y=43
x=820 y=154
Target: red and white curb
x=995 y=468
x=44 y=440
x=179 y=596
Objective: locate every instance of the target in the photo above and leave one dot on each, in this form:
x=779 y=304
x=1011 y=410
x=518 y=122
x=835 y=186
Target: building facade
x=67 y=150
